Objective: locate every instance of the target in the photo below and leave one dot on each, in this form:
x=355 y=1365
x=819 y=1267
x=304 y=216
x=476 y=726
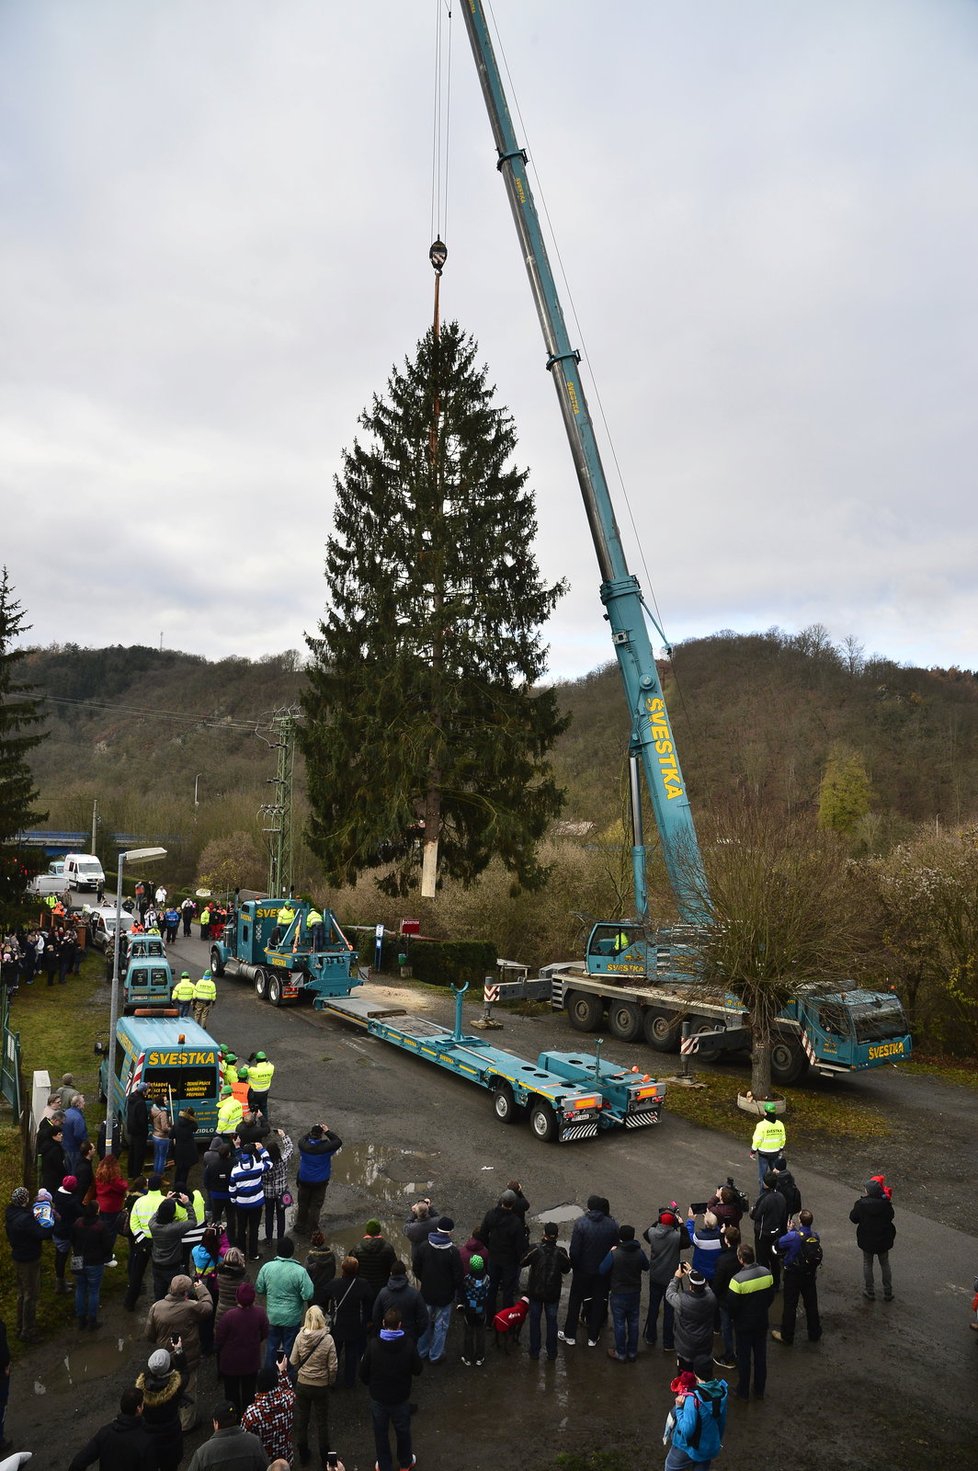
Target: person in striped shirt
x=248 y=1196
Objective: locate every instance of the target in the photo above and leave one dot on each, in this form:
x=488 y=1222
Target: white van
x=83 y=871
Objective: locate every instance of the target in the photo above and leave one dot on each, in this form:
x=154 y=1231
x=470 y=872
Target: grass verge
x=58 y=1028
x=814 y=1116
x=948 y=1069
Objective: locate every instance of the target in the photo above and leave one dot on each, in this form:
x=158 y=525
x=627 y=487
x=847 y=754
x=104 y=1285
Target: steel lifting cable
x=441 y=119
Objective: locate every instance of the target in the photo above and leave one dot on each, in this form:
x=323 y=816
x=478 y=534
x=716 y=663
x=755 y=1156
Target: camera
x=332 y=1459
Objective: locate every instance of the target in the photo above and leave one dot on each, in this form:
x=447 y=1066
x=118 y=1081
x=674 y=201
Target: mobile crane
x=642 y=980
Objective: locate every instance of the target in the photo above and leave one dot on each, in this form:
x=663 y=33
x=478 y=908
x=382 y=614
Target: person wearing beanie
x=770 y=1216
x=694 y=1310
x=666 y=1239
x=271 y=1412
x=168 y=1231
x=696 y=1422
x=768 y=1140
x=872 y=1216
x=26 y=1237
x=287 y=1289
x=439 y=1275
x=240 y=1339
x=593 y=1236
x=162 y=1383
x=67 y=1209
x=502 y=1231
x=376 y=1257
x=177 y=1318
x=402 y=1295
x=387 y=1369
x=624 y=1266
x=346 y=1302
x=548 y=1265
x=472 y=1297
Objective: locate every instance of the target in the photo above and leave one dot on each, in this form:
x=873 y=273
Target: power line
x=226 y=723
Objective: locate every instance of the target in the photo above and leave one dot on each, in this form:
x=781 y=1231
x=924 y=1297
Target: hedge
x=439 y=962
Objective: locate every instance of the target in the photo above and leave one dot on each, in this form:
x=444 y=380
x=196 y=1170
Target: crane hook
x=438 y=255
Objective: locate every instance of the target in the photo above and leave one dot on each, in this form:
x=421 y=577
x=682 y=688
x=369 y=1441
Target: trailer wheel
x=274 y=991
x=261 y=984
x=504 y=1104
x=625 y=1021
x=662 y=1030
x=217 y=967
x=543 y=1122
x=584 y=1011
x=788 y=1060
x=707 y=1051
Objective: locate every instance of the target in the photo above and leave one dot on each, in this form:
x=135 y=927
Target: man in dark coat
x=137 y=1128
x=123 y=1445
x=770 y=1216
x=593 y=1236
x=504 y=1235
x=872 y=1216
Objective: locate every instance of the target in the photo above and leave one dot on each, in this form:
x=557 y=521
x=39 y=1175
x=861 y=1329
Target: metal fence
x=10 y=1073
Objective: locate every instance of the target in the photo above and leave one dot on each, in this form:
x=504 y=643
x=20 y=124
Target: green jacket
x=287 y=1288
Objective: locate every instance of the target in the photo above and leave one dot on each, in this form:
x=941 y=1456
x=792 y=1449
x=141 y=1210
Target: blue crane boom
x=651 y=737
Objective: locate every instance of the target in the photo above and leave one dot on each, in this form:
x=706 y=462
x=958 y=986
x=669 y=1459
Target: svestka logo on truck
x=179 y=1059
x=664 y=749
x=886 y=1049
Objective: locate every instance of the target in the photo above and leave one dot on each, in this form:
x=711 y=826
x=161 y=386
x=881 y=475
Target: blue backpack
x=704 y=1437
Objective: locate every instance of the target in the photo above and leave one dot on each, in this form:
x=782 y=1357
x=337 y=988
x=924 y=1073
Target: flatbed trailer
x=568 y=1095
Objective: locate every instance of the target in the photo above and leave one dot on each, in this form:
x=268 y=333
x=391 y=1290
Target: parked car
x=57 y=868
x=101 y=926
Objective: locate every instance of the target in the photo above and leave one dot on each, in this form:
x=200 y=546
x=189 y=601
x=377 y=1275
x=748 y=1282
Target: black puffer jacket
x=593 y=1237
x=872 y=1216
x=769 y=1214
x=409 y=1303
x=624 y=1267
x=26 y=1237
x=504 y=1235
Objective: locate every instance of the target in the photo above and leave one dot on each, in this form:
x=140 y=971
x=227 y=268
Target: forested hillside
x=136 y=727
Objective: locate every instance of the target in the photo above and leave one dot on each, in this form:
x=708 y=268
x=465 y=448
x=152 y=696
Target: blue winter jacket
x=593 y=1236
x=316 y=1157
x=707 y=1246
x=707 y=1406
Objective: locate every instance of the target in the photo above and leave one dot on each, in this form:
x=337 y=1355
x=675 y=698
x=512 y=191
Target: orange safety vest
x=240 y=1091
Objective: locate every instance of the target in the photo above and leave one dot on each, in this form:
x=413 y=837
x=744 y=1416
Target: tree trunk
x=760 y=1057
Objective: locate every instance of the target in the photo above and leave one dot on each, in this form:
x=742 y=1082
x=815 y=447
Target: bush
x=451 y=962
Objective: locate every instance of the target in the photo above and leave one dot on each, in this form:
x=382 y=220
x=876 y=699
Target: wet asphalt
x=892 y=1383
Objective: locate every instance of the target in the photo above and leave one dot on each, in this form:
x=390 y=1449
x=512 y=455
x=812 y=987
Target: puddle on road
x=84 y=1362
x=389 y=1176
x=562 y=1214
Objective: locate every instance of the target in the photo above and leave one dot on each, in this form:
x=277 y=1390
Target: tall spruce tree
x=423 y=724
x=19 y=721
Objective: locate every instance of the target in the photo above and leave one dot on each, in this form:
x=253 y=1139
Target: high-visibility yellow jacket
x=205 y=990
x=769 y=1136
x=229 y=1115
x=145 y=1208
x=260 y=1075
x=183 y=991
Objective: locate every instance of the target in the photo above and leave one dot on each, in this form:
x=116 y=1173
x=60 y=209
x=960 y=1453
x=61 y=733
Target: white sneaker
x=112 y=1263
x=562 y=1336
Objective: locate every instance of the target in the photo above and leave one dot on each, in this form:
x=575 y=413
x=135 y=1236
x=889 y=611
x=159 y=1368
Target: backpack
x=706 y=1433
x=810 y=1254
x=787 y=1188
x=476 y=1294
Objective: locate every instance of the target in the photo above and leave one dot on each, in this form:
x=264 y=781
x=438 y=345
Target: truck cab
x=177 y=1060
x=853 y=1030
x=284 y=957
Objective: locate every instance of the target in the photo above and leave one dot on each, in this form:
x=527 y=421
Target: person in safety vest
x=622 y=941
x=205 y=922
x=285 y=916
x=315 y=929
x=183 y=992
x=230 y=1113
x=260 y=1074
x=240 y=1086
x=205 y=994
x=768 y=1141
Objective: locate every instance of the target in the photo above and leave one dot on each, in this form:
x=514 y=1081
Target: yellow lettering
x=663 y=748
x=886 y=1049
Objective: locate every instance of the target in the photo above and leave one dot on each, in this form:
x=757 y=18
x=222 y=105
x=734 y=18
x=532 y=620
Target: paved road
x=888 y=1381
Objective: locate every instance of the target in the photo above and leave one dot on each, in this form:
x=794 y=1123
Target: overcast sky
x=214 y=224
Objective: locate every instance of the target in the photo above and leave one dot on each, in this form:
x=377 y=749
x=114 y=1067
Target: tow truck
x=285 y=961
x=568 y=1096
x=643 y=979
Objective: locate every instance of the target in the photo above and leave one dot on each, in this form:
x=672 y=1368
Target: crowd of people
x=35 y=956
x=278 y=1332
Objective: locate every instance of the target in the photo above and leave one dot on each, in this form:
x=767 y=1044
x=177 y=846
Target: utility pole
x=278 y=814
x=94 y=825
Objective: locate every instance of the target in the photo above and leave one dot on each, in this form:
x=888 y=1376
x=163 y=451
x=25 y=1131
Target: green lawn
x=58 y=1028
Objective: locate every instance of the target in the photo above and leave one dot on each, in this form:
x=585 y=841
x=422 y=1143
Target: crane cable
x=441 y=120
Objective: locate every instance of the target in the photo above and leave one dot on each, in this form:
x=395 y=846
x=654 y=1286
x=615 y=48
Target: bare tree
x=785 y=909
